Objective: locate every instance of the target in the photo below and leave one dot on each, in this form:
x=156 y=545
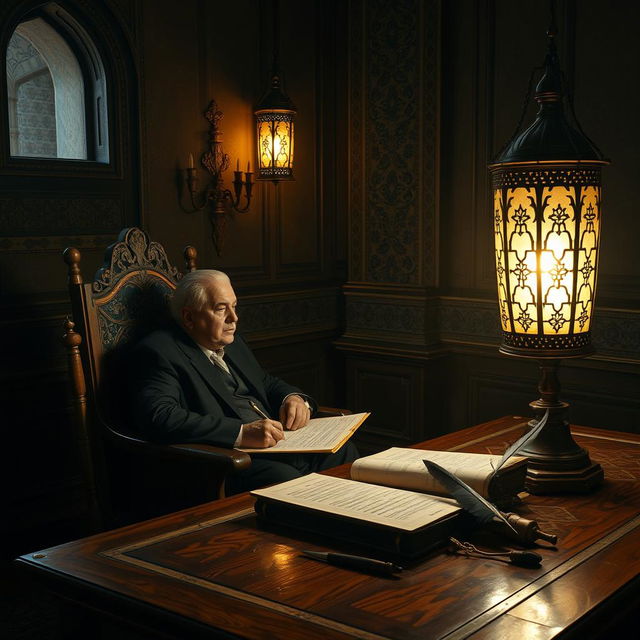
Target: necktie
x=217 y=357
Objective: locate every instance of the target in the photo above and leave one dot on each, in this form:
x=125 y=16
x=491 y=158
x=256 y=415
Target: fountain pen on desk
x=359 y=563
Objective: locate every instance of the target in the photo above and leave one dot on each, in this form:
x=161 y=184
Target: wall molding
x=616 y=332
x=456 y=322
x=290 y=313
x=60 y=216
x=39 y=244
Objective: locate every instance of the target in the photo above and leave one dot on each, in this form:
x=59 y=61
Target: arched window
x=56 y=90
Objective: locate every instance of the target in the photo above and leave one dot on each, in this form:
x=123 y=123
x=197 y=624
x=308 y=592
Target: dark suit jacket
x=176 y=396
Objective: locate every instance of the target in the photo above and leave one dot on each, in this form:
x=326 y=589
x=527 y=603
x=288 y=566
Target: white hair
x=192 y=291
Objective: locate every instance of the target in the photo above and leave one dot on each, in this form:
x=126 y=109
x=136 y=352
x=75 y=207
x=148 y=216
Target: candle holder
x=220 y=200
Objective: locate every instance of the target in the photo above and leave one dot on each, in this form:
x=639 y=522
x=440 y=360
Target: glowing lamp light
x=275 y=134
x=547 y=236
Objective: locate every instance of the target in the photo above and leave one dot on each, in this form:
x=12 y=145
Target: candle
x=238 y=164
x=190 y=165
x=249 y=166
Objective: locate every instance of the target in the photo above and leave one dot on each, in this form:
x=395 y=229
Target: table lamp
x=546 y=205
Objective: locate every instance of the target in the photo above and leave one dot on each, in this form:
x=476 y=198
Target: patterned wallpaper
x=393 y=127
x=393 y=124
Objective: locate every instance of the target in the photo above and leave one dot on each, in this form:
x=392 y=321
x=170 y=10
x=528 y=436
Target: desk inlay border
x=597 y=437
x=116 y=552
x=531 y=589
x=120 y=554
x=488 y=436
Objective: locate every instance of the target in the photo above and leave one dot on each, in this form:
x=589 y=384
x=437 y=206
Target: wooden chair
x=128 y=478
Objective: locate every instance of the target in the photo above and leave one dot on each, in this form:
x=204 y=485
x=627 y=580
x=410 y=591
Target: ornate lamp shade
x=547 y=236
x=275 y=134
x=546 y=222
x=546 y=201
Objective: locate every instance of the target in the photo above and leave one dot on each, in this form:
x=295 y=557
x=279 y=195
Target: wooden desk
x=212 y=568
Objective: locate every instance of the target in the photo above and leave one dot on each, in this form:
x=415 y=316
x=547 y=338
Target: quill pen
x=468 y=499
x=518 y=445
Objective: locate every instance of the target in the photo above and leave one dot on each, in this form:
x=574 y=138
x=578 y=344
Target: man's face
x=213 y=326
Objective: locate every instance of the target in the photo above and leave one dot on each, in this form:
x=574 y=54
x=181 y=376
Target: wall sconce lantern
x=546 y=218
x=274 y=119
x=219 y=199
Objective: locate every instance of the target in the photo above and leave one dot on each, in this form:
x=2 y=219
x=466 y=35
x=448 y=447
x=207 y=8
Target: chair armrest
x=230 y=460
x=236 y=459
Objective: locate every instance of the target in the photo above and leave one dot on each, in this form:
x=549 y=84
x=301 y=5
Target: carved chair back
x=127 y=298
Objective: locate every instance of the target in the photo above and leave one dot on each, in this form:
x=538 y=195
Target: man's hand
x=294 y=413
x=261 y=434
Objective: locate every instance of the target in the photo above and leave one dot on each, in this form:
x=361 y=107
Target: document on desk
x=320 y=435
x=387 y=506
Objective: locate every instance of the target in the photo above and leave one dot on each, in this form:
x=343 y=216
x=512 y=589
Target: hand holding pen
x=258 y=410
x=261 y=434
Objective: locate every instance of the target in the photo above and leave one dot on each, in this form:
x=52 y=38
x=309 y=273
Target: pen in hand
x=359 y=563
x=258 y=410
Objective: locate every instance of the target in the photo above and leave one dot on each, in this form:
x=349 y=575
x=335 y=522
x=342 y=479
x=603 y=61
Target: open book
x=397 y=521
x=404 y=468
x=320 y=435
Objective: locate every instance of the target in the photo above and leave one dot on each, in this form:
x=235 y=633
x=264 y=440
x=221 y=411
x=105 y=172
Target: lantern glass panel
x=275 y=144
x=546 y=230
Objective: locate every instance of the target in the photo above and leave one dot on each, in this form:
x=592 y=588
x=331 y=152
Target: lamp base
x=546 y=482
x=557 y=464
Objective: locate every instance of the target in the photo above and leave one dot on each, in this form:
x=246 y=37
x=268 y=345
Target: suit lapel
x=205 y=368
x=243 y=366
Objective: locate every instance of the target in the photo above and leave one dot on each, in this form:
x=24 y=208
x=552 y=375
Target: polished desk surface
x=214 y=568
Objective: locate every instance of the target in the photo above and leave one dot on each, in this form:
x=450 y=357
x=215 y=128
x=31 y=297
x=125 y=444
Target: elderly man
x=199 y=382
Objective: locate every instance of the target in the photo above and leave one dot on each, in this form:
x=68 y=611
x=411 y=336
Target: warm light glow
x=547 y=229
x=275 y=144
x=283 y=556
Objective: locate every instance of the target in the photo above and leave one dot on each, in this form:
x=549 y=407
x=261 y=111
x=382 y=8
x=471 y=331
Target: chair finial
x=190 y=255
x=72 y=257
